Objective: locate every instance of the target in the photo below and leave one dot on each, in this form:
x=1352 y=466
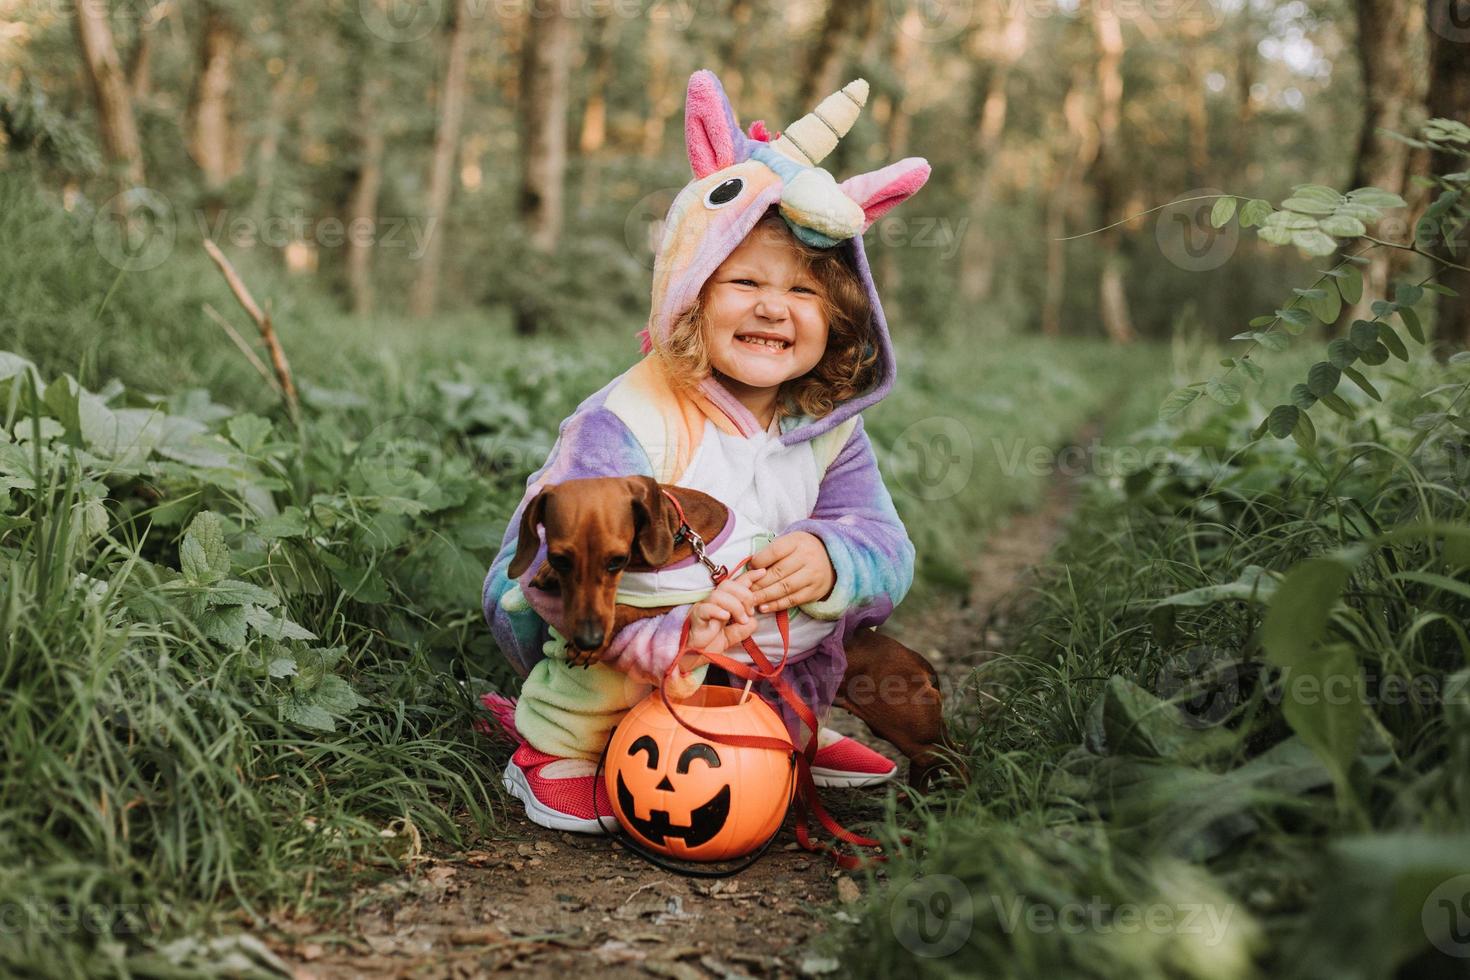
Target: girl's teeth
x=773 y=344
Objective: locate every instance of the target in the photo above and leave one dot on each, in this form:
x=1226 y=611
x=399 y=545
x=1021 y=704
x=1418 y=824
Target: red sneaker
x=559 y=793
x=848 y=763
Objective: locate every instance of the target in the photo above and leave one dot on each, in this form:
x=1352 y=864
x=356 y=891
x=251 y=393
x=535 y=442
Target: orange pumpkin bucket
x=695 y=798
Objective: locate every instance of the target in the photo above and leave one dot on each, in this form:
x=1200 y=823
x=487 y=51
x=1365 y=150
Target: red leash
x=762 y=669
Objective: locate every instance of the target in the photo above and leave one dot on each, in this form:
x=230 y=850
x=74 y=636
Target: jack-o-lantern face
x=705 y=820
x=691 y=798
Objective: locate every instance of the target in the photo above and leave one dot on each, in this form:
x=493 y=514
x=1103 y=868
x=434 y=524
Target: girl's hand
x=799 y=570
x=727 y=616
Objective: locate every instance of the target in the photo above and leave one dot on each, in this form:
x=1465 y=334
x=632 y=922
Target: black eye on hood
x=724 y=192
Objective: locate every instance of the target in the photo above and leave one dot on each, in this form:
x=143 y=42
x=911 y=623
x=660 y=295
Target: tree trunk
x=210 y=133
x=425 y=296
x=823 y=71
x=1449 y=98
x=362 y=208
x=732 y=49
x=267 y=153
x=1001 y=49
x=662 y=93
x=594 y=117
x=545 y=81
x=1080 y=149
x=1385 y=36
x=1112 y=285
x=115 y=119
x=893 y=112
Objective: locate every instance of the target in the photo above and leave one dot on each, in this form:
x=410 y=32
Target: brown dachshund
x=599 y=527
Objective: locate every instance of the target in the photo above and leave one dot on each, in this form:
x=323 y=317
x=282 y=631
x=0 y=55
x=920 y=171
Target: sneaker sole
x=517 y=785
x=841 y=779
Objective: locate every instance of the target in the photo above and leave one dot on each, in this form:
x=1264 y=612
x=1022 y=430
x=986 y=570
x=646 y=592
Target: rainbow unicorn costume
x=803 y=474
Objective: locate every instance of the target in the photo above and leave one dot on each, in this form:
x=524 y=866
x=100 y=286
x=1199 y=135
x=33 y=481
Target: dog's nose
x=588 y=636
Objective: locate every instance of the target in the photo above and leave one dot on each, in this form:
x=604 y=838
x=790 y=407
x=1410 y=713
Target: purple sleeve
x=592 y=441
x=857 y=522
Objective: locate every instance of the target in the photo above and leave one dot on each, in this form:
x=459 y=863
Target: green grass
x=233 y=654
x=1131 y=754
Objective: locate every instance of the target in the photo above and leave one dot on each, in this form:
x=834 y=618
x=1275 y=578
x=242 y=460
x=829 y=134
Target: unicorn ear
x=880 y=191
x=711 y=133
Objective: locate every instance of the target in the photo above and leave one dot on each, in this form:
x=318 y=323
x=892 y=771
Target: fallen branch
x=239 y=342
x=267 y=331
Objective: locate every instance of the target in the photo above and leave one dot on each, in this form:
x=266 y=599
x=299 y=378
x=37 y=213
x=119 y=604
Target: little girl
x=765 y=343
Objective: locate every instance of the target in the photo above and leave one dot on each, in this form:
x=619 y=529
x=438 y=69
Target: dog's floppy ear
x=529 y=540
x=654 y=522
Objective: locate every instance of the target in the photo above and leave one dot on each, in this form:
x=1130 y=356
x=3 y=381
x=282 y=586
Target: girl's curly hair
x=848 y=367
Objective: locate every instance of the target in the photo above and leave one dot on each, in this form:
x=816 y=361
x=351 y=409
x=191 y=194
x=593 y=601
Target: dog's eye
x=559 y=563
x=617 y=564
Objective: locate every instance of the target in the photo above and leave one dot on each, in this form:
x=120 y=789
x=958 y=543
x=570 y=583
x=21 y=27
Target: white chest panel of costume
x=768 y=487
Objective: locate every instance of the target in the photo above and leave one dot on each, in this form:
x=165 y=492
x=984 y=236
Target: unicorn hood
x=738 y=176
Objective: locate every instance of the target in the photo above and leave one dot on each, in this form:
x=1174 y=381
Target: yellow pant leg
x=571 y=711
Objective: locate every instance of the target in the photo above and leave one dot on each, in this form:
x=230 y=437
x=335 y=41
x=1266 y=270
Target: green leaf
x=275 y=628
x=1351 y=284
x=1341 y=352
x=1324 y=704
x=281 y=667
x=1440 y=288
x=1178 y=400
x=249 y=431
x=1272 y=340
x=1326 y=307
x=1223 y=392
x=1295 y=318
x=307 y=715
x=1282 y=420
x=1251 y=368
x=1306 y=205
x=1260 y=429
x=336 y=695
x=1392 y=341
x=1343 y=226
x=1262 y=321
x=1314 y=242
x=1322 y=379
x=1222 y=212
x=1358 y=379
x=1301 y=397
x=1363 y=334
x=1375 y=197
x=1253 y=212
x=203 y=557
x=232 y=592
x=225 y=625
x=1305 y=432
x=1336 y=403
x=1374 y=355
x=1407 y=294
x=1411 y=324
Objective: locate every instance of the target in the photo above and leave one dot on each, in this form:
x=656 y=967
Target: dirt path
x=551 y=903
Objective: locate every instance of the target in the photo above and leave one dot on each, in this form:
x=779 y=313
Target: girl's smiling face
x=765 y=319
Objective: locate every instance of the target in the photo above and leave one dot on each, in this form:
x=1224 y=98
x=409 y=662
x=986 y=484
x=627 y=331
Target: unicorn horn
x=814 y=135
